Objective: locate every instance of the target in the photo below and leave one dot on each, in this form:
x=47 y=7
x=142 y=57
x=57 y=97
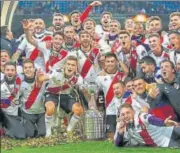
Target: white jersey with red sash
x=136 y=102
x=159 y=59
x=59 y=84
x=116 y=46
x=33 y=53
x=88 y=64
x=130 y=59
x=31 y=97
x=101 y=32
x=9 y=93
x=146 y=134
x=105 y=82
x=52 y=58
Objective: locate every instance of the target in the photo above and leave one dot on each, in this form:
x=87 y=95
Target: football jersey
x=105 y=82
x=101 y=32
x=52 y=61
x=29 y=48
x=88 y=64
x=146 y=133
x=31 y=97
x=174 y=57
x=58 y=84
x=9 y=93
x=159 y=59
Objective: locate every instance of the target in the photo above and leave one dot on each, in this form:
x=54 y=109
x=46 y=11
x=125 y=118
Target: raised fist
x=96 y=3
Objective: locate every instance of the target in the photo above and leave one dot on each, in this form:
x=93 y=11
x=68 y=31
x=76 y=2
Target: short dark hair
x=71 y=57
x=73 y=12
x=171 y=63
x=106 y=12
x=125 y=105
x=58 y=14
x=154 y=34
x=89 y=19
x=10 y=63
x=127 y=79
x=110 y=54
x=6 y=51
x=28 y=61
x=177 y=32
x=137 y=78
x=84 y=32
x=120 y=82
x=148 y=60
x=58 y=33
x=124 y=32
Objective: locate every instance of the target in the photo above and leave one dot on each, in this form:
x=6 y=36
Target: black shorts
x=66 y=101
x=110 y=123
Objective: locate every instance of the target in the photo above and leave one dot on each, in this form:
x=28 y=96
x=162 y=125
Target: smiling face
x=58 y=40
x=29 y=70
x=155 y=26
x=167 y=71
x=139 y=86
x=85 y=40
x=127 y=114
x=154 y=43
x=75 y=19
x=129 y=86
x=39 y=26
x=110 y=64
x=4 y=57
x=70 y=68
x=129 y=25
x=118 y=89
x=89 y=26
x=105 y=20
x=174 y=40
x=58 y=22
x=175 y=22
x=10 y=72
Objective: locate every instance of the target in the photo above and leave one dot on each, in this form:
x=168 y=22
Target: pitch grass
x=90 y=147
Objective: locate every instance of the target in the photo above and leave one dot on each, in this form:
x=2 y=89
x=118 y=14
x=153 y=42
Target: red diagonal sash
x=165 y=55
x=115 y=46
x=13 y=94
x=32 y=96
x=35 y=52
x=53 y=60
x=133 y=60
x=87 y=64
x=110 y=93
x=56 y=90
x=145 y=135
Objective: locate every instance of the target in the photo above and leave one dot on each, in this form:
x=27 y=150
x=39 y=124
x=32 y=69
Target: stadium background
x=12 y=12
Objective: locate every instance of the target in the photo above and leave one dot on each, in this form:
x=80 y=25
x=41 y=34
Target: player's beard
x=9 y=79
x=58 y=27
